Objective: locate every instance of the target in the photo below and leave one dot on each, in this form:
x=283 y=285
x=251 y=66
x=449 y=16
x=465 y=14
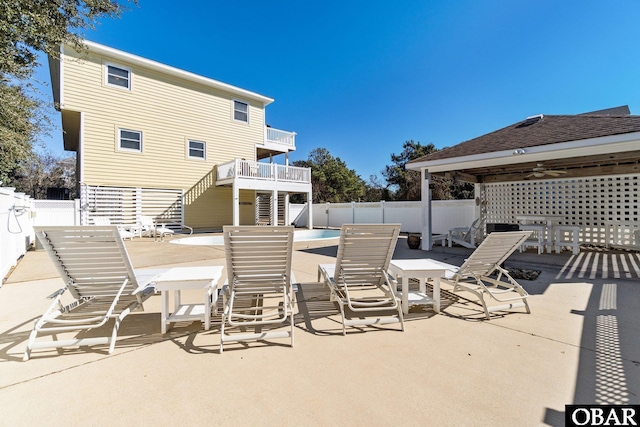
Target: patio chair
x=154 y=228
x=464 y=236
x=95 y=266
x=475 y=274
x=104 y=220
x=359 y=279
x=259 y=290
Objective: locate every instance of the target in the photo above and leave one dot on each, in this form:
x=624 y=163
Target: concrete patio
x=579 y=345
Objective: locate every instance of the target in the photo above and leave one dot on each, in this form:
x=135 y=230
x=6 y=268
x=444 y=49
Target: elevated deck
x=264 y=176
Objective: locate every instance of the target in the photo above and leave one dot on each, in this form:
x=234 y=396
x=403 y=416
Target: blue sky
x=361 y=77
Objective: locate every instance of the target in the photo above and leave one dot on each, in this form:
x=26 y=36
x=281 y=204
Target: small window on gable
x=241 y=111
x=129 y=140
x=197 y=149
x=118 y=76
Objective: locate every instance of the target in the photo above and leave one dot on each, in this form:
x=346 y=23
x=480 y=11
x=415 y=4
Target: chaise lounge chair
x=104 y=220
x=259 y=291
x=151 y=228
x=474 y=275
x=97 y=272
x=359 y=279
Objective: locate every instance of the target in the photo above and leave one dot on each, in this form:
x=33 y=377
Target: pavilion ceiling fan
x=540 y=171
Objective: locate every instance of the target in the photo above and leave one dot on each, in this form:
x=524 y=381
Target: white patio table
x=420 y=269
x=548 y=220
x=182 y=278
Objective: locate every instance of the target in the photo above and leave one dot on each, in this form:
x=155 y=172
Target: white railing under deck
x=281 y=137
x=263 y=171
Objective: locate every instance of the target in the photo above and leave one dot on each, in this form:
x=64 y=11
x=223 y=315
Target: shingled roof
x=544 y=130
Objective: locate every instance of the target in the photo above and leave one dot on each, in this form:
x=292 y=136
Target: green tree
x=331 y=179
x=27 y=29
x=43 y=171
x=406 y=183
x=20 y=121
x=376 y=190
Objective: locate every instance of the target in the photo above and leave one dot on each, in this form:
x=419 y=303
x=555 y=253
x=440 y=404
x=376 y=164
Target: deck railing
x=263 y=171
x=277 y=136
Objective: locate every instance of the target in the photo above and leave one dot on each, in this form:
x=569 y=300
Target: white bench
x=567 y=236
x=537 y=238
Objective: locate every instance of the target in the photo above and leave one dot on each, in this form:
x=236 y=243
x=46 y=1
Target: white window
x=197 y=149
x=129 y=140
x=118 y=76
x=240 y=111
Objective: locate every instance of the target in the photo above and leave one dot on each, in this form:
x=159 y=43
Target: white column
x=236 y=204
x=286 y=209
x=477 y=189
x=274 y=211
x=80 y=151
x=425 y=182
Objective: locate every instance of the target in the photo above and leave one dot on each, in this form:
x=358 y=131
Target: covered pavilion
x=583 y=167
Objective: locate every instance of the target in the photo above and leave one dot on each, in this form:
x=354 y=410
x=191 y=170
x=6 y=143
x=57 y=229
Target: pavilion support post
x=425 y=197
x=481 y=206
x=479 y=199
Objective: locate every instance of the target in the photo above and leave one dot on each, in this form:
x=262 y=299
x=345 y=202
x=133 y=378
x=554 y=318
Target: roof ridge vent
x=537 y=116
x=531 y=120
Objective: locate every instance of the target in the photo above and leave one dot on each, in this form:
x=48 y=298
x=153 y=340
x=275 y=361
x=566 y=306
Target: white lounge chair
x=95 y=266
x=259 y=291
x=154 y=228
x=464 y=236
x=151 y=228
x=474 y=275
x=359 y=279
x=104 y=220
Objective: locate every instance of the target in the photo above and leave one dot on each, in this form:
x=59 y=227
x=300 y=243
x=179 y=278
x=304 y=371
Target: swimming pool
x=298 y=236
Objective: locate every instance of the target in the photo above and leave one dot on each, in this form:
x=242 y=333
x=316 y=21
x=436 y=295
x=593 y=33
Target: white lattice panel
x=124 y=205
x=606 y=207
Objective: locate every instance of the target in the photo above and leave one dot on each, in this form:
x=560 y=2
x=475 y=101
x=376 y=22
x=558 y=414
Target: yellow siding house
x=158 y=141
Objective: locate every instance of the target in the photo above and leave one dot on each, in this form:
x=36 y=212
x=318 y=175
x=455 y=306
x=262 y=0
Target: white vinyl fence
x=16 y=228
x=446 y=214
x=19 y=214
x=56 y=212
